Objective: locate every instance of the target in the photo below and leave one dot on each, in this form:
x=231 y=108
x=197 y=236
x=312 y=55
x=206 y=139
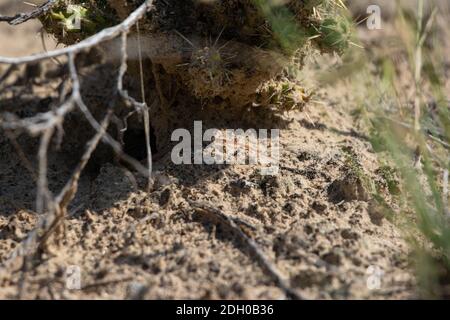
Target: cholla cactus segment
x=72 y=21
x=285 y=25
x=284 y=94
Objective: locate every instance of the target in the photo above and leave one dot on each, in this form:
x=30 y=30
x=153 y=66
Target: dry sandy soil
x=315 y=222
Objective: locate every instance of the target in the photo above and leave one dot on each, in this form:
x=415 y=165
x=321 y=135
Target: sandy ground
x=315 y=222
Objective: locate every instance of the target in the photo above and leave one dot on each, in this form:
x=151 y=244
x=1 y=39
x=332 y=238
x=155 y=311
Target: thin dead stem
x=218 y=216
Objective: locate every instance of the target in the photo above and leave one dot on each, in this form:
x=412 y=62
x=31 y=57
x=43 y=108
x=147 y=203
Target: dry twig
x=25 y=16
x=47 y=123
x=218 y=216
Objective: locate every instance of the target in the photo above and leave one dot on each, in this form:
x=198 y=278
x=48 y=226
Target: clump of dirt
x=17 y=226
x=350 y=187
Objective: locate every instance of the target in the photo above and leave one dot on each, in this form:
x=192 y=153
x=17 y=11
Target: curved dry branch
x=220 y=217
x=102 y=36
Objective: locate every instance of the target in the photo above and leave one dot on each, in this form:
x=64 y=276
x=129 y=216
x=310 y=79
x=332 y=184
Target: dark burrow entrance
x=135 y=143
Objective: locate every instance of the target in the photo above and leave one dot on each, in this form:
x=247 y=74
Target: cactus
x=225 y=54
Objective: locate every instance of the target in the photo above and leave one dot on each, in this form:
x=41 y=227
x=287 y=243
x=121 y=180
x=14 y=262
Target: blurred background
x=23 y=39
